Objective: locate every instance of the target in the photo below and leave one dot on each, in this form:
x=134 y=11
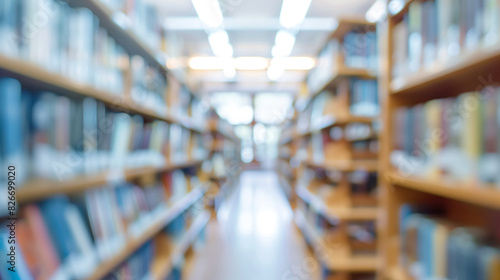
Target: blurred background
x=237 y=139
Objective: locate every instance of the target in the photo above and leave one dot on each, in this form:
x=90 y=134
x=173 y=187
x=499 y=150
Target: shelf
x=133 y=244
x=124 y=37
x=329 y=121
x=36 y=77
x=164 y=264
x=334 y=215
x=398 y=273
x=466 y=72
x=486 y=195
x=333 y=261
x=39 y=189
x=346 y=165
x=346 y=25
x=342 y=71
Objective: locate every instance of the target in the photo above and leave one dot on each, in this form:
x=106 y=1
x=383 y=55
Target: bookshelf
x=134 y=182
x=329 y=151
x=447 y=70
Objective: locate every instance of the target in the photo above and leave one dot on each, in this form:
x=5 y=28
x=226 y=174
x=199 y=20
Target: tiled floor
x=253 y=237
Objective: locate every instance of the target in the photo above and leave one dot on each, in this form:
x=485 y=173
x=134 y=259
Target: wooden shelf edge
x=27 y=71
x=180 y=250
x=479 y=195
x=46 y=188
x=346 y=165
x=465 y=63
x=348 y=263
x=135 y=243
x=334 y=215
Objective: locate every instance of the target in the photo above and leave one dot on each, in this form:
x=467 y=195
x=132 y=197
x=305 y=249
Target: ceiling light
x=293 y=12
x=206 y=63
x=209 y=12
x=377 y=11
x=295 y=63
x=219 y=42
x=283 y=44
x=275 y=71
x=251 y=63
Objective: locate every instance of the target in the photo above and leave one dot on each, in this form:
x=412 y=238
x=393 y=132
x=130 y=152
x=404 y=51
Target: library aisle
x=253 y=237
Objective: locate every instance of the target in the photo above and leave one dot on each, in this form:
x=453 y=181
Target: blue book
x=10 y=122
x=53 y=210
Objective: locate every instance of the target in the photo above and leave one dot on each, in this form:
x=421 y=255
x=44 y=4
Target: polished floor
x=253 y=237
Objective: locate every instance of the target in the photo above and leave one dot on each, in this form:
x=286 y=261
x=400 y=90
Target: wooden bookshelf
x=167 y=259
x=214 y=128
x=43 y=188
x=132 y=244
x=338 y=206
x=462 y=203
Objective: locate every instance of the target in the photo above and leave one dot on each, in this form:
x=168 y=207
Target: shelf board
x=404 y=9
x=341 y=72
x=133 y=244
x=164 y=264
x=346 y=165
x=467 y=72
x=35 y=77
x=398 y=273
x=335 y=214
x=352 y=23
x=486 y=195
x=329 y=121
x=39 y=189
x=334 y=262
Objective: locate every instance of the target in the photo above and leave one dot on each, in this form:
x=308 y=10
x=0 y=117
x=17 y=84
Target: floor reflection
x=253 y=237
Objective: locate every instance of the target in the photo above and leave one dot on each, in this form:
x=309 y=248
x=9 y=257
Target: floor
x=253 y=237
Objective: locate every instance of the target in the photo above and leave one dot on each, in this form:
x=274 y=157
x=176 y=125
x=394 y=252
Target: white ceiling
x=252 y=27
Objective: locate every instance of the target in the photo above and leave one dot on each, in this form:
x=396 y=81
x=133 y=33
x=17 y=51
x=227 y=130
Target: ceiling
x=251 y=26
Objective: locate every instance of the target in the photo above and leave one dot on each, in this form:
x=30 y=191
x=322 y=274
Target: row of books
x=149 y=85
x=436 y=31
x=64 y=40
x=360 y=49
x=435 y=248
x=66 y=238
x=453 y=138
x=52 y=136
x=363 y=99
x=142 y=17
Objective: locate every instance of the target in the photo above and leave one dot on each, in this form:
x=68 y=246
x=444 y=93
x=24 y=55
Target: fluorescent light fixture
x=206 y=63
x=209 y=12
x=376 y=12
x=293 y=12
x=251 y=63
x=283 y=44
x=275 y=71
x=295 y=63
x=219 y=42
x=229 y=71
